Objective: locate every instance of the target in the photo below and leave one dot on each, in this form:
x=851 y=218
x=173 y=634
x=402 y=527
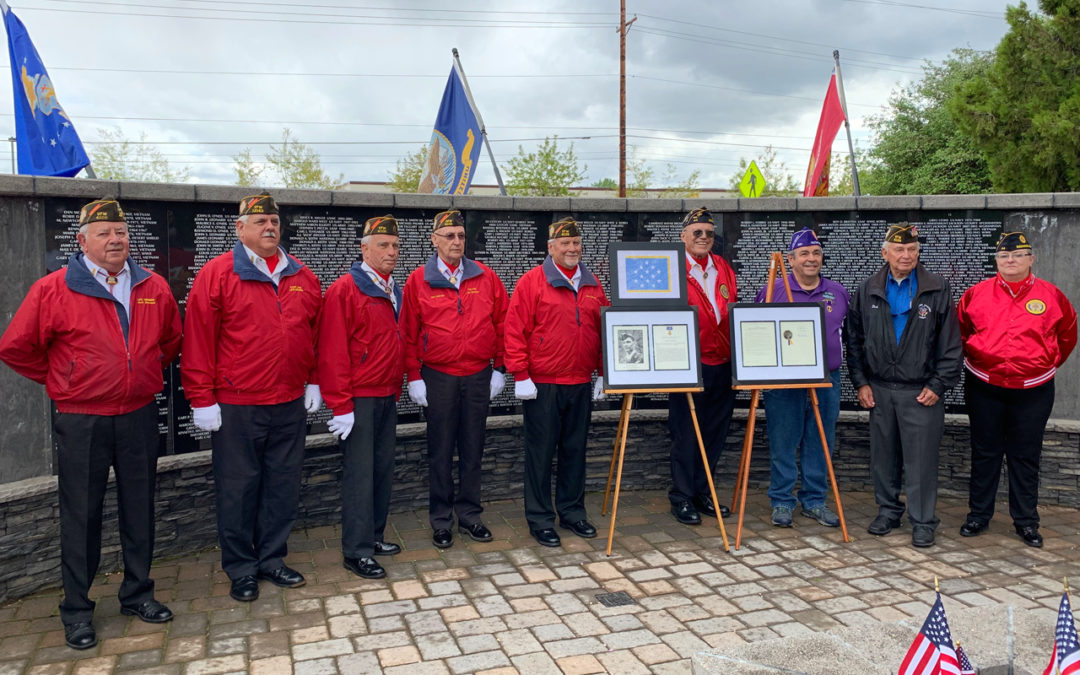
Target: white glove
x=208 y=418
x=341 y=425
x=598 y=389
x=498 y=382
x=418 y=392
x=312 y=398
x=525 y=389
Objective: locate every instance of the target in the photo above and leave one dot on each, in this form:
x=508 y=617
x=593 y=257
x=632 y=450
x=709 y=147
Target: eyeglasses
x=1015 y=255
x=459 y=236
x=700 y=234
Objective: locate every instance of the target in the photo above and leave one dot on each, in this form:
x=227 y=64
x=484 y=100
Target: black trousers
x=367 y=475
x=456 y=418
x=713 y=406
x=556 y=424
x=87 y=446
x=258 y=455
x=905 y=442
x=1009 y=423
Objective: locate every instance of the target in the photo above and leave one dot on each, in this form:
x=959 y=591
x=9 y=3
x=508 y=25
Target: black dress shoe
x=150 y=611
x=384 y=548
x=922 y=536
x=972 y=527
x=581 y=528
x=284 y=576
x=883 y=525
x=244 y=589
x=476 y=531
x=365 y=567
x=1030 y=535
x=442 y=538
x=705 y=505
x=546 y=537
x=80 y=635
x=685 y=513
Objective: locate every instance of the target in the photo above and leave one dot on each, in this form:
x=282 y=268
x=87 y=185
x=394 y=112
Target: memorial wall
x=174 y=230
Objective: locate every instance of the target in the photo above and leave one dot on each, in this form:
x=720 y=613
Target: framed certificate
x=650 y=349
x=777 y=343
x=651 y=274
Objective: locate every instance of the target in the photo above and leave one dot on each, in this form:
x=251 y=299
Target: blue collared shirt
x=900 y=296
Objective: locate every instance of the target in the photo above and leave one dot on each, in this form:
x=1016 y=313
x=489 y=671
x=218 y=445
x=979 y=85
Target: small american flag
x=1065 y=659
x=646 y=273
x=932 y=652
x=965 y=665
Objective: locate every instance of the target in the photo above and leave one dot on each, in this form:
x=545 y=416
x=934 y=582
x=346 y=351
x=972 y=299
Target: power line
x=399 y=9
x=967 y=12
x=247 y=73
x=742 y=91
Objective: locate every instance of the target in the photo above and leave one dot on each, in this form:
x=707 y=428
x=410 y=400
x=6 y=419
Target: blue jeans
x=791 y=426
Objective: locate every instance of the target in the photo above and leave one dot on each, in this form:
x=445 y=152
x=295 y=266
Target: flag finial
x=937 y=589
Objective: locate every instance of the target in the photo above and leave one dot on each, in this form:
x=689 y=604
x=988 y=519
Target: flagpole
x=847 y=125
x=483 y=129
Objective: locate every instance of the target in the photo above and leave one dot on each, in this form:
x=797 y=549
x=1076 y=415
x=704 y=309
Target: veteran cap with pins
x=106 y=209
x=698 y=215
x=260 y=203
x=804 y=237
x=1013 y=241
x=902 y=233
x=451 y=218
x=564 y=227
x=382 y=225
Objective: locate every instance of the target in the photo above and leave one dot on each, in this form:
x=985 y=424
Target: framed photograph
x=648 y=274
x=654 y=349
x=777 y=343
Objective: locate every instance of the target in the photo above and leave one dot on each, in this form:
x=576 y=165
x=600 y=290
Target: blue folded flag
x=455 y=143
x=46 y=140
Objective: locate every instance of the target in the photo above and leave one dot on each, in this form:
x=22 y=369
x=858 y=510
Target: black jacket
x=929 y=353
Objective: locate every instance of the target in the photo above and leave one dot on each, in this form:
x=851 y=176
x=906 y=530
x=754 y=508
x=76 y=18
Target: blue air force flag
x=46 y=141
x=455 y=143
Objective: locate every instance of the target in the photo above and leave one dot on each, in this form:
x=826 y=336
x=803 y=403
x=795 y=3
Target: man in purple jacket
x=789 y=415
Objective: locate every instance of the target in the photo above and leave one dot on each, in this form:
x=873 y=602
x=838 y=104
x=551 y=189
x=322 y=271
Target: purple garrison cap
x=804 y=237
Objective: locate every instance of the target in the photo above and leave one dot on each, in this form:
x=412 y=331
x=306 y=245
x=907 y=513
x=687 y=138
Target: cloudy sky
x=708 y=81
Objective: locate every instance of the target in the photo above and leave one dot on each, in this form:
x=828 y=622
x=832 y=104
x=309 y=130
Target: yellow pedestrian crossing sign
x=753 y=183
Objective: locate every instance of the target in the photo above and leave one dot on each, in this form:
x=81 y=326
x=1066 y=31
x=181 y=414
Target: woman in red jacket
x=1017 y=331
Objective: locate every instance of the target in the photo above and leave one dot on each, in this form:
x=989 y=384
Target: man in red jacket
x=361 y=361
x=97 y=335
x=1017 y=330
x=249 y=347
x=710 y=285
x=552 y=349
x=453 y=325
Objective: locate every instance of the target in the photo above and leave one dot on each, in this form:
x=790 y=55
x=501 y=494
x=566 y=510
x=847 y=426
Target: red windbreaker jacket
x=1016 y=342
x=553 y=333
x=246 y=342
x=714 y=337
x=457 y=331
x=72 y=336
x=361 y=347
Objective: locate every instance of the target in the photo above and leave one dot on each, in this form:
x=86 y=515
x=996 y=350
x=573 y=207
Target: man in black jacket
x=904 y=352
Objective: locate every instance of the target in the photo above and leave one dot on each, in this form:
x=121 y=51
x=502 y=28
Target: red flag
x=832 y=116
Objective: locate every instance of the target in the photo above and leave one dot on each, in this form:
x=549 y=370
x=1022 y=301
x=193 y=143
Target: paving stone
x=573 y=647
x=537 y=663
x=624 y=662
x=473 y=662
x=580 y=665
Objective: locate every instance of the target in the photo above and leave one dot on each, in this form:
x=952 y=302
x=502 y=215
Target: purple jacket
x=836 y=301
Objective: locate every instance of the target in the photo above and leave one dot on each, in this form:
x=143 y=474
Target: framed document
x=651 y=274
x=777 y=343
x=653 y=349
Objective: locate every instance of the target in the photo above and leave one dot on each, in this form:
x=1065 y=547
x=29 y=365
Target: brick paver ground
x=512 y=606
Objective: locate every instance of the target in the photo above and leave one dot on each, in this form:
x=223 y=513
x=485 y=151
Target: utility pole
x=622 y=29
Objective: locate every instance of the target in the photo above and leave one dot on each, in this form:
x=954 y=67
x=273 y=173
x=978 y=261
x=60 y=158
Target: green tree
x=673 y=188
x=298 y=166
x=119 y=158
x=247 y=172
x=778 y=180
x=407 y=173
x=1024 y=111
x=606 y=183
x=918 y=148
x=547 y=172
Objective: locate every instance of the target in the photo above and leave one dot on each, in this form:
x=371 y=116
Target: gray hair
x=885 y=245
x=364 y=241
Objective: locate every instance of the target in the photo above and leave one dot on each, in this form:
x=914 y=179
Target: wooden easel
x=776 y=265
x=620 y=452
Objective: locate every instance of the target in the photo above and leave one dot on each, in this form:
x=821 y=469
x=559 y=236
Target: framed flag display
x=651 y=274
